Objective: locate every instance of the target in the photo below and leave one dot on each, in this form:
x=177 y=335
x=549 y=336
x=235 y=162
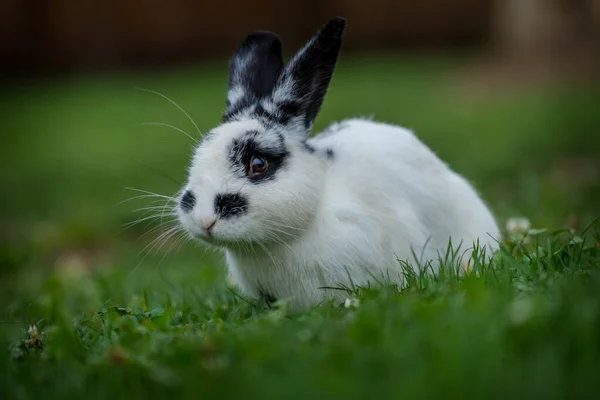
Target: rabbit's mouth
x=206 y=236
x=209 y=239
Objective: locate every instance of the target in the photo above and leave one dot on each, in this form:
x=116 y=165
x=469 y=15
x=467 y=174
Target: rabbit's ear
x=302 y=86
x=253 y=70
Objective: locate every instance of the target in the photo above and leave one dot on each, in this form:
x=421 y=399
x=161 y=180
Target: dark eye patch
x=252 y=144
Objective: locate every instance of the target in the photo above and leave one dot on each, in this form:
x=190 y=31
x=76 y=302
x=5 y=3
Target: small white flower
x=520 y=311
x=33 y=331
x=352 y=303
x=518 y=225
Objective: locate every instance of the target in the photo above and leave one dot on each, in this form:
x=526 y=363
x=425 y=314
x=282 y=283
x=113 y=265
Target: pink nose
x=209 y=226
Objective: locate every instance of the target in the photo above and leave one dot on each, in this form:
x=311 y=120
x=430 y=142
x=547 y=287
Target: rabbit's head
x=254 y=178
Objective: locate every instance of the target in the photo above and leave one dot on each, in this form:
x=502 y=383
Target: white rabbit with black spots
x=297 y=216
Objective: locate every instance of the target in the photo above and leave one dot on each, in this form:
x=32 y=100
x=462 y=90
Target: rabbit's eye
x=258 y=166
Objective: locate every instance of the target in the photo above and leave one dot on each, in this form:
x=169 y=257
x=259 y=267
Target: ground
x=88 y=310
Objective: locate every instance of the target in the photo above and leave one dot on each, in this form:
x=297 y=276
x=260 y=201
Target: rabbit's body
x=400 y=202
x=296 y=214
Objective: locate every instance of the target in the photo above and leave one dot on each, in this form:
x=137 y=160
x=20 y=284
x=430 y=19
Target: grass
x=109 y=322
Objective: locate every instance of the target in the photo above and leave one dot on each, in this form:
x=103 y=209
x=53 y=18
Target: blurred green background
x=487 y=85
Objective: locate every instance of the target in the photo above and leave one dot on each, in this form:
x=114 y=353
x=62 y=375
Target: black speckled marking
x=308 y=147
x=188 y=201
x=230 y=204
x=284 y=112
x=329 y=153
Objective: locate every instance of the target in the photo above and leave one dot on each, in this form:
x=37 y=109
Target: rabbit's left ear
x=301 y=88
x=253 y=70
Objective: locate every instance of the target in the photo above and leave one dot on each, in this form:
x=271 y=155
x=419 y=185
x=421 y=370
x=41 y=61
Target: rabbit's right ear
x=302 y=86
x=253 y=71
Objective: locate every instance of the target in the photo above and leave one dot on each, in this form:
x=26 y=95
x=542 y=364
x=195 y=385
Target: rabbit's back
x=383 y=174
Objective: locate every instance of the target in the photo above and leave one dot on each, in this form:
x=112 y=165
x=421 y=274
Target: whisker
x=141 y=196
x=156 y=228
x=167 y=238
x=175 y=104
x=159 y=172
x=292 y=227
x=130 y=225
x=157 y=239
x=151 y=208
x=150 y=246
x=152 y=194
x=278 y=240
x=170 y=126
x=162 y=214
x=273 y=229
x=177 y=240
x=140 y=220
x=267 y=251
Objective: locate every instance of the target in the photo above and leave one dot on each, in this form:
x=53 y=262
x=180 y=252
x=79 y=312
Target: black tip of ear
x=335 y=25
x=262 y=41
x=333 y=30
x=330 y=35
x=263 y=47
x=257 y=63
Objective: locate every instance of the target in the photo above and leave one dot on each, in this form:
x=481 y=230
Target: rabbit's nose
x=208 y=227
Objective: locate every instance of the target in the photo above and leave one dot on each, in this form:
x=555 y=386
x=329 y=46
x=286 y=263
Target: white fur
x=384 y=196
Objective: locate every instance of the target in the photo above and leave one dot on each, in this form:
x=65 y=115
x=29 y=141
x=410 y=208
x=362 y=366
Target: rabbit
x=298 y=217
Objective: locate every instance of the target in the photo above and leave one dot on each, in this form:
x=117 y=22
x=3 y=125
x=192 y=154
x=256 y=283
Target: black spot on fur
x=188 y=201
x=308 y=147
x=329 y=153
x=230 y=204
x=243 y=149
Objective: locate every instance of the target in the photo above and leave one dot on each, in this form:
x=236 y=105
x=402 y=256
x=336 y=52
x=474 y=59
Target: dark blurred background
x=505 y=91
x=43 y=36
